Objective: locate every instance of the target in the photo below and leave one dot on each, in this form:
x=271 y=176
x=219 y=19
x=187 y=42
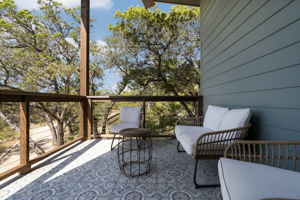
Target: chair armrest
x=281 y=154
x=190 y=121
x=212 y=145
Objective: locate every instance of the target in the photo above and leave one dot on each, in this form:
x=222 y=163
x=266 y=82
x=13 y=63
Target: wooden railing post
x=200 y=107
x=144 y=113
x=83 y=120
x=24 y=136
x=90 y=118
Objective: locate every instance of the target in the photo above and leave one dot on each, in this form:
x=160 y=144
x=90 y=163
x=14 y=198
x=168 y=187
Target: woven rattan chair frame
x=211 y=146
x=281 y=154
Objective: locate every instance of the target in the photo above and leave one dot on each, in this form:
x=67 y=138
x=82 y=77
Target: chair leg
x=179 y=151
x=112 y=143
x=197 y=186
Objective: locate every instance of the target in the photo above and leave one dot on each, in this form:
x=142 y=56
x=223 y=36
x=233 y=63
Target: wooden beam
x=151 y=3
x=148 y=3
x=24 y=136
x=181 y=2
x=84 y=64
x=84 y=47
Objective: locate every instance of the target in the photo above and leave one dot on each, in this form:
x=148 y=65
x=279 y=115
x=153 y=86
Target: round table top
x=135 y=132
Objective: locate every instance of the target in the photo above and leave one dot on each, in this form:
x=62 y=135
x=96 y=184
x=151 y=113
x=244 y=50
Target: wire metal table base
x=134 y=155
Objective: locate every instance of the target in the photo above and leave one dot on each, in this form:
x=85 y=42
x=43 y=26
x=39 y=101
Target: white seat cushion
x=182 y=129
x=250 y=181
x=130 y=114
x=188 y=135
x=115 y=128
x=214 y=116
x=235 y=118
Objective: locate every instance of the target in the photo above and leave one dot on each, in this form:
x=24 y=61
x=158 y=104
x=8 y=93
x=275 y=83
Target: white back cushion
x=214 y=116
x=235 y=118
x=130 y=114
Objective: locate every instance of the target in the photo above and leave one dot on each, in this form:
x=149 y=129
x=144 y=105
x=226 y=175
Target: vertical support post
x=144 y=113
x=84 y=47
x=83 y=120
x=199 y=107
x=90 y=119
x=24 y=136
x=84 y=65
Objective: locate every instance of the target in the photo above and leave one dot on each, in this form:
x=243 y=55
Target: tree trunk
x=51 y=126
x=105 y=118
x=187 y=109
x=185 y=106
x=60 y=133
x=72 y=132
x=9 y=122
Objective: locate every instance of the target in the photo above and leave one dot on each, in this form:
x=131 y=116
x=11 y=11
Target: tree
x=157 y=52
x=40 y=53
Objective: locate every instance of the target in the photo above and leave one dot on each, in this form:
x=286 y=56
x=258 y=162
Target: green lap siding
x=250 y=57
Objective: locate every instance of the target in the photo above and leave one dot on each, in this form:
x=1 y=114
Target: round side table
x=134 y=151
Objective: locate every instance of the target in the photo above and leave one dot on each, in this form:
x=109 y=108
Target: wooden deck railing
x=86 y=115
x=147 y=99
x=24 y=99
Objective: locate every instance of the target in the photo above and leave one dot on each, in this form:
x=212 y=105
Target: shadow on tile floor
x=89 y=171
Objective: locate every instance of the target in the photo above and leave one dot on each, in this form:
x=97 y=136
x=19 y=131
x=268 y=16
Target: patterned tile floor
x=89 y=171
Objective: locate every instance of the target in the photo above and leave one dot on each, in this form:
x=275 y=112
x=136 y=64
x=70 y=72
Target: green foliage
x=161 y=117
x=156 y=51
x=40 y=49
x=6 y=133
x=7 y=136
x=40 y=53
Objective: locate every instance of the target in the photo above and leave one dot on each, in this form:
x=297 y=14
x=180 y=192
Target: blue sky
x=105 y=17
x=103 y=11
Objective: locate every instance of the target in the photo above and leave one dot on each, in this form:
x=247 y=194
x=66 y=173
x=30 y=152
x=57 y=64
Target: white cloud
x=72 y=41
x=107 y=4
x=26 y=4
x=32 y=4
x=101 y=43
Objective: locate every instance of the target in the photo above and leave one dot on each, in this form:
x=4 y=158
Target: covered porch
x=247 y=61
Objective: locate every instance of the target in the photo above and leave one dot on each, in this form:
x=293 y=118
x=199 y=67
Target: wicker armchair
x=281 y=154
x=273 y=183
x=211 y=146
x=129 y=117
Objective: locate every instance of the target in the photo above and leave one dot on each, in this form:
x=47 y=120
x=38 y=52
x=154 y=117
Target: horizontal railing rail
x=143 y=98
x=18 y=96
